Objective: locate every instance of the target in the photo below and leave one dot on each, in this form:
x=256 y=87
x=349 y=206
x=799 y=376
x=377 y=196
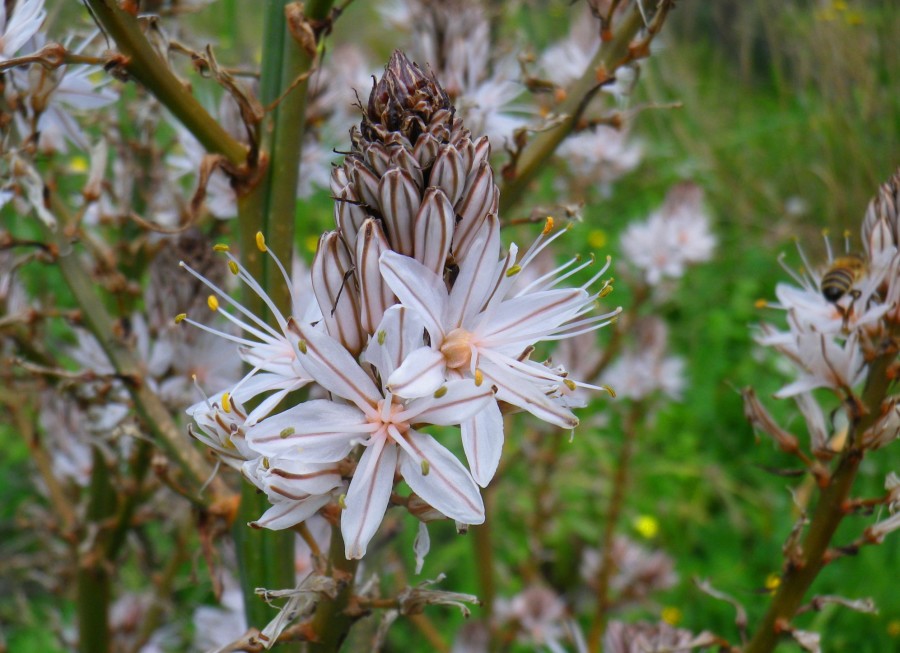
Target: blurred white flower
x=539 y=615
x=645 y=367
x=675 y=236
x=600 y=155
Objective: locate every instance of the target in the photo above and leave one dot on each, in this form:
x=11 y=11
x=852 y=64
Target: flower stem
x=812 y=554
x=610 y=56
x=331 y=622
x=142 y=63
x=266 y=558
x=616 y=501
x=94 y=570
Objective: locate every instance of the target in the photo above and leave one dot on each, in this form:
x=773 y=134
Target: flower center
x=457 y=349
x=386 y=416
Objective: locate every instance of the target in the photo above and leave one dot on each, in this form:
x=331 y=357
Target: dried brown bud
x=404 y=100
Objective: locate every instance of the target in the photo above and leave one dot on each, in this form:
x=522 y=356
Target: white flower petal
x=315 y=431
x=462 y=400
x=421 y=373
x=418 y=288
x=368 y=496
x=333 y=367
x=482 y=438
x=442 y=481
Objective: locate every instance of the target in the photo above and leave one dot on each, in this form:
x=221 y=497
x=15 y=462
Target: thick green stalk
x=331 y=622
x=93 y=580
x=142 y=63
x=266 y=557
x=542 y=146
x=828 y=515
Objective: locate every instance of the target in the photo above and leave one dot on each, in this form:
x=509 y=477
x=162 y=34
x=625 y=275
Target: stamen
x=180 y=318
x=234 y=268
x=287 y=432
x=342 y=502
x=213 y=302
x=226 y=402
x=479 y=377
x=221 y=247
x=440 y=392
x=260 y=241
x=426 y=467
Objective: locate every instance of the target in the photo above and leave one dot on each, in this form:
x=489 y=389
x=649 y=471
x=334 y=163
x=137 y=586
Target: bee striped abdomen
x=839 y=279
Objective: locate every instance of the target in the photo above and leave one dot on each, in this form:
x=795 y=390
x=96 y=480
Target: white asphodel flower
x=271 y=351
x=675 y=236
x=485 y=328
x=361 y=412
x=823 y=360
x=15 y=31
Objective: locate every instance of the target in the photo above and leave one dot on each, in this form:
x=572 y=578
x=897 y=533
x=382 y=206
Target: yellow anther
x=570 y=384
x=760 y=303
x=265 y=463
x=605 y=290
x=287 y=432
x=226 y=402
x=548 y=225
x=515 y=269
x=479 y=377
x=342 y=501
x=261 y=242
x=381 y=336
x=773 y=581
x=213 y=302
x=181 y=317
x=440 y=392
x=229 y=444
x=826 y=232
x=221 y=247
x=609 y=390
x=301 y=345
x=425 y=467
x=233 y=267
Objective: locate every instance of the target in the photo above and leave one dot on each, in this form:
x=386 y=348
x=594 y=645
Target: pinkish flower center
x=387 y=417
x=457 y=349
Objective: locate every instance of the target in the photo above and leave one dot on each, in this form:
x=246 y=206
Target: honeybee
x=841 y=275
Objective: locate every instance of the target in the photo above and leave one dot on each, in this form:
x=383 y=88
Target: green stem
x=266 y=558
x=93 y=580
x=142 y=63
x=828 y=515
x=331 y=622
x=609 y=57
